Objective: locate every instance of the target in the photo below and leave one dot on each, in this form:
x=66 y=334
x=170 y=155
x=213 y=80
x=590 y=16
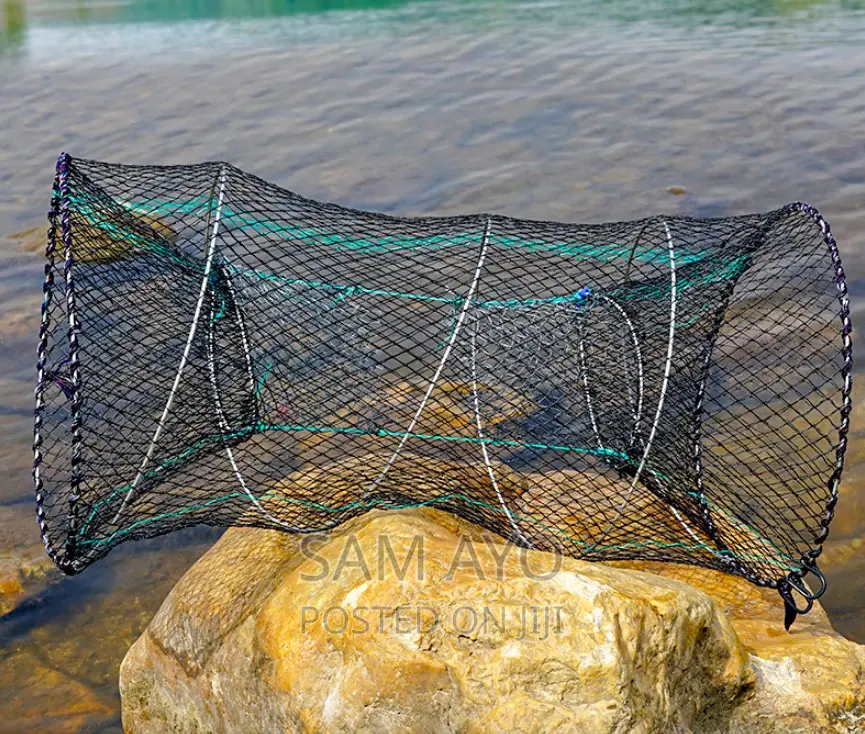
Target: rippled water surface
x=588 y=110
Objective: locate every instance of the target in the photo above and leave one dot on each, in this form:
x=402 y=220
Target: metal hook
x=812 y=568
x=795 y=582
x=791 y=611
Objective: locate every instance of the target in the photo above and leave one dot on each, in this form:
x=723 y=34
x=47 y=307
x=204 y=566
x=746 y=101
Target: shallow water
x=582 y=111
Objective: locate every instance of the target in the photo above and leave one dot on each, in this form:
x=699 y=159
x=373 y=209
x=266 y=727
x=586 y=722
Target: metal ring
x=812 y=568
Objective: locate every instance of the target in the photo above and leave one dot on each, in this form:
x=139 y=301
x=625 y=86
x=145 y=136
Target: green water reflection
x=78 y=11
x=14 y=23
x=21 y=17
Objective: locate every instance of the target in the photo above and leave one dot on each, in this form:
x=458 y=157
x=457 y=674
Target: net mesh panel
x=218 y=350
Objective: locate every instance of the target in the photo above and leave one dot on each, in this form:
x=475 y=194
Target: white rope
x=585 y=375
x=675 y=512
x=220 y=412
x=444 y=359
x=250 y=373
x=685 y=525
x=484 y=450
x=636 y=412
x=189 y=339
x=664 y=384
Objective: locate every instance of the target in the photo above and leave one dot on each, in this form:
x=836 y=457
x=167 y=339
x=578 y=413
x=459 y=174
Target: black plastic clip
x=792 y=583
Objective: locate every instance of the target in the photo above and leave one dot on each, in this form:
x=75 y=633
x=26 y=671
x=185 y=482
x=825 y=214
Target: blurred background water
x=582 y=110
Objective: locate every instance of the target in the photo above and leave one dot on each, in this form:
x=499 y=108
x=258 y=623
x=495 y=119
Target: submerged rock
x=40 y=698
x=22 y=572
x=99 y=240
x=24 y=566
x=417 y=621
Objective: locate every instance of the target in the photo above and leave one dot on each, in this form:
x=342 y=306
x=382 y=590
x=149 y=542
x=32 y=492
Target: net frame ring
x=584 y=308
x=796 y=581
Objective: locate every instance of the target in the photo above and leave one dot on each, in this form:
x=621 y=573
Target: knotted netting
x=217 y=350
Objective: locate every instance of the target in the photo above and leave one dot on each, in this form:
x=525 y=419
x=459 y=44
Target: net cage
x=217 y=350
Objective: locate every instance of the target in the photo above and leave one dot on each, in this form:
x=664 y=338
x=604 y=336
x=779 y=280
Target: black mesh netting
x=217 y=350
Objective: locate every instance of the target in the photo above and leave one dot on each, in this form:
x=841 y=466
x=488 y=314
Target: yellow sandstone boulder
x=417 y=621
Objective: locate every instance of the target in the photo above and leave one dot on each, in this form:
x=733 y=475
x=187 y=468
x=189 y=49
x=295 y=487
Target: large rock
x=810 y=679
x=420 y=622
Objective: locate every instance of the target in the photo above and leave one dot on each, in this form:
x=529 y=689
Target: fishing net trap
x=217 y=350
